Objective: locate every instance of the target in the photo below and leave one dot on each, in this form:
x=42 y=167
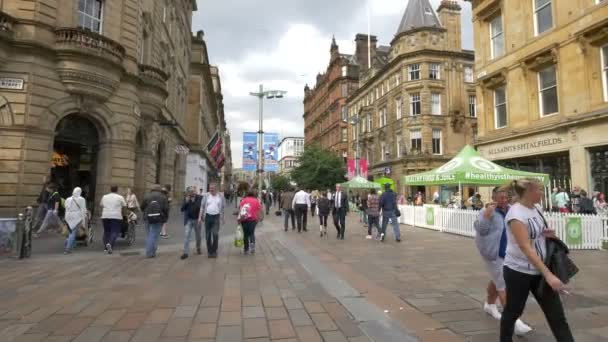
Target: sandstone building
x=325 y=111
x=290 y=149
x=93 y=93
x=543 y=87
x=415 y=107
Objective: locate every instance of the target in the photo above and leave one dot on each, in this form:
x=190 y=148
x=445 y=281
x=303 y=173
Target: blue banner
x=250 y=151
x=271 y=152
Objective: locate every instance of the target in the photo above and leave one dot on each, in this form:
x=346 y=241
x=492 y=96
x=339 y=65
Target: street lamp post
x=269 y=94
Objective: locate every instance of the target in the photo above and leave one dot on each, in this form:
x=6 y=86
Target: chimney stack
x=361 y=49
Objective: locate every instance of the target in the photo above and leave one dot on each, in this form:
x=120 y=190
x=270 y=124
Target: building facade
x=290 y=149
x=205 y=121
x=543 y=89
x=325 y=111
x=412 y=111
x=92 y=93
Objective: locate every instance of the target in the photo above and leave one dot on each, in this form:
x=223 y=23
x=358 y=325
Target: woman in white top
x=75 y=216
x=111 y=217
x=524 y=269
x=132 y=203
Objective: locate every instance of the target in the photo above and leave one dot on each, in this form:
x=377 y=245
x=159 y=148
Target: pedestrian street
x=297 y=287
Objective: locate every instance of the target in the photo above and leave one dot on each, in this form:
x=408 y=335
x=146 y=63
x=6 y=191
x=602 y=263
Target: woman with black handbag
x=524 y=266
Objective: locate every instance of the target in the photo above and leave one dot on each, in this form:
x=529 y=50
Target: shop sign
x=60 y=159
x=11 y=83
x=522 y=147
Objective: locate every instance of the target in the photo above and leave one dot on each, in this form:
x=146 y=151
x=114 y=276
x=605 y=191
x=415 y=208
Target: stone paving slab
x=298 y=287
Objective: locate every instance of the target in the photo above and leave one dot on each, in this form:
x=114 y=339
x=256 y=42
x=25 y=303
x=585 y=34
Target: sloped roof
x=418 y=14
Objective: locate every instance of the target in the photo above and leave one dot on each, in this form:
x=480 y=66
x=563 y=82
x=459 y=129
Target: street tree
x=280 y=182
x=318 y=169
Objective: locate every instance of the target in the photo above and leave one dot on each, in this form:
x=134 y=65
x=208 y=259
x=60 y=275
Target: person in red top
x=250 y=214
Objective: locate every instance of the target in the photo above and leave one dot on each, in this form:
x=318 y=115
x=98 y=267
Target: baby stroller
x=128 y=227
x=85 y=232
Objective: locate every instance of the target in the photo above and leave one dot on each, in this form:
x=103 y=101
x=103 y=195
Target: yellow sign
x=60 y=159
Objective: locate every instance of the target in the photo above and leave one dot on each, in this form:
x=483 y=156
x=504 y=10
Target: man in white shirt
x=111 y=217
x=212 y=211
x=301 y=204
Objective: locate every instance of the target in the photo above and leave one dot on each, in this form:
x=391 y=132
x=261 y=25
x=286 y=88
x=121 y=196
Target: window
x=399 y=107
x=344 y=71
x=355 y=127
x=414 y=72
x=344 y=134
x=437 y=141
x=370 y=123
x=377 y=93
x=383 y=151
x=472 y=106
x=605 y=70
x=434 y=71
x=344 y=113
x=436 y=104
x=500 y=107
x=543 y=18
x=547 y=89
x=382 y=89
x=90 y=15
x=398 y=78
x=344 y=90
x=382 y=117
x=415 y=104
x=416 y=140
x=497 y=37
x=468 y=74
x=399 y=142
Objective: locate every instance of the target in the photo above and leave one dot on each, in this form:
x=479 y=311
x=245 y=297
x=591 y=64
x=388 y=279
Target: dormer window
x=428 y=11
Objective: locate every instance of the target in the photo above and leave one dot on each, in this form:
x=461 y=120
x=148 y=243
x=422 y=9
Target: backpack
x=245 y=213
x=61 y=199
x=153 y=213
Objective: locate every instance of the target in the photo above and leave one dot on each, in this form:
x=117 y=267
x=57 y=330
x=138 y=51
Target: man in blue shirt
x=388 y=206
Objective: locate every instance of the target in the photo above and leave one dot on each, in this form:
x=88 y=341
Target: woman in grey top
x=524 y=268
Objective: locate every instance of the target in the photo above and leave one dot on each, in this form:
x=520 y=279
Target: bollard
x=22 y=238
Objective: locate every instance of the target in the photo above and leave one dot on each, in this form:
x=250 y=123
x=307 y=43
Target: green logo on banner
x=574 y=231
x=430 y=216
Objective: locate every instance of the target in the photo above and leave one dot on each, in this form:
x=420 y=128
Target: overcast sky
x=283 y=44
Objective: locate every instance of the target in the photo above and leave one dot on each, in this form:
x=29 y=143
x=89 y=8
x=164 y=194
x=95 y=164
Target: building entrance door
x=74 y=160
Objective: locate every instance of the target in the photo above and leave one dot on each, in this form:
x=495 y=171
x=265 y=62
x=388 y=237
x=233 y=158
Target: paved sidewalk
x=298 y=287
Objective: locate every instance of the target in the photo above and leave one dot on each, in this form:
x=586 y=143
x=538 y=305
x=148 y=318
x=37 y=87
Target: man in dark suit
x=339 y=209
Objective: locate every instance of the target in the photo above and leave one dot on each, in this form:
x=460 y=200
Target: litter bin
x=16 y=235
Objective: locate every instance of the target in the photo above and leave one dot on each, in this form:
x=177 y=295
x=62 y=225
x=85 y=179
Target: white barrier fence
x=593 y=228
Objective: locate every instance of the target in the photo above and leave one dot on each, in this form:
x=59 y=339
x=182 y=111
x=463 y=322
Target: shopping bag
x=238 y=237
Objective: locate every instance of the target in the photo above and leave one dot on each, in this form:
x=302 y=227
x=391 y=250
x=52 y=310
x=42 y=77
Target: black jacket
x=558 y=262
x=343 y=201
x=159 y=197
x=324 y=205
x=191 y=209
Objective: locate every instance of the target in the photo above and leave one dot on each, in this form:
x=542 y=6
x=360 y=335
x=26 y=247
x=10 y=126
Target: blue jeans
x=394 y=221
x=152 y=234
x=192 y=225
x=70 y=242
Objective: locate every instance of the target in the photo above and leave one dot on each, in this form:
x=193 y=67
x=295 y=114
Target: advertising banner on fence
x=430 y=216
x=250 y=151
x=574 y=231
x=271 y=152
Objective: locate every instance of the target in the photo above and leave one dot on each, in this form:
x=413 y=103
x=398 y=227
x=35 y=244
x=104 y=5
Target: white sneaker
x=491 y=310
x=369 y=237
x=521 y=328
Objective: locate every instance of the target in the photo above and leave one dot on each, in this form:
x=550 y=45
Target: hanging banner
x=430 y=216
x=363 y=168
x=250 y=151
x=271 y=152
x=351 y=168
x=574 y=231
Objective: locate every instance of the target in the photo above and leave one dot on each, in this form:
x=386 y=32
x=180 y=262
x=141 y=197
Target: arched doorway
x=75 y=152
